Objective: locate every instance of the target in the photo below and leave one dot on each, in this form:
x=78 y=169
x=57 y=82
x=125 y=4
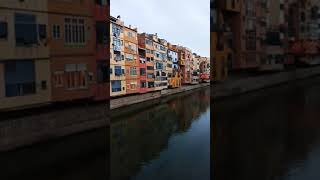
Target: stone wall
x=130 y=100
x=43 y=126
x=240 y=86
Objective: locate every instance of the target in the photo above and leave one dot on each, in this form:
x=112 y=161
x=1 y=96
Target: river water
x=273 y=134
x=168 y=141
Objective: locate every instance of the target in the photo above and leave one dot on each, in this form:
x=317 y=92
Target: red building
x=146 y=52
x=143 y=70
x=101 y=17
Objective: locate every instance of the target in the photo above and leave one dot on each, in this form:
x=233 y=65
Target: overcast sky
x=184 y=22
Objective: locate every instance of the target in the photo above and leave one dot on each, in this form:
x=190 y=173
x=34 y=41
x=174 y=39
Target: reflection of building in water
x=138 y=138
x=263 y=143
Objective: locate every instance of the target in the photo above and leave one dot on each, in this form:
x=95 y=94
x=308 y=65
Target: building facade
x=131 y=60
x=117 y=58
x=72 y=49
x=275 y=36
x=147 y=51
x=102 y=50
x=160 y=59
x=24 y=62
x=174 y=78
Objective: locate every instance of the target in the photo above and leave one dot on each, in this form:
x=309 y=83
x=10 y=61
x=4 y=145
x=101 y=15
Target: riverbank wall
x=47 y=125
x=245 y=85
x=139 y=98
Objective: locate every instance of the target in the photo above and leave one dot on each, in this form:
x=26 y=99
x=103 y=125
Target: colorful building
x=174 y=78
x=102 y=34
x=303 y=31
x=24 y=62
x=204 y=69
x=167 y=65
x=189 y=66
x=181 y=61
x=147 y=51
x=275 y=38
x=160 y=53
x=72 y=49
x=185 y=59
x=131 y=60
x=117 y=58
x=221 y=52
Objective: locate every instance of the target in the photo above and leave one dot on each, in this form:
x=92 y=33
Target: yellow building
x=24 y=60
x=219 y=56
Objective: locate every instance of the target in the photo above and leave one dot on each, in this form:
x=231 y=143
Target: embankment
x=245 y=85
x=139 y=98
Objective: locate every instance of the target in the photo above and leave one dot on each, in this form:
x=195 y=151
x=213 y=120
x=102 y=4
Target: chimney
x=130 y=26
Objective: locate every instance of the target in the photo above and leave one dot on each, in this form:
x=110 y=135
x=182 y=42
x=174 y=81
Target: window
x=150 y=68
x=133 y=71
x=74 y=31
x=102 y=71
x=76 y=76
x=150 y=84
x=131 y=34
x=56 y=31
x=129 y=57
x=149 y=42
x=143 y=84
x=118 y=71
x=25 y=29
x=158 y=55
x=149 y=51
x=67 y=30
x=19 y=78
x=142 y=71
x=116 y=86
x=101 y=32
x=82 y=35
x=150 y=76
x=42 y=31
x=116 y=30
x=132 y=47
x=159 y=66
x=58 y=79
x=3 y=30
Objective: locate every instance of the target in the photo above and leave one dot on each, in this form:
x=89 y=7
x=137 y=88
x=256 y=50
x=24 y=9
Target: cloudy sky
x=184 y=22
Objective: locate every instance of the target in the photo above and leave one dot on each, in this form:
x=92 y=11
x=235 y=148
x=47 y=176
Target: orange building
x=72 y=49
x=146 y=43
x=131 y=60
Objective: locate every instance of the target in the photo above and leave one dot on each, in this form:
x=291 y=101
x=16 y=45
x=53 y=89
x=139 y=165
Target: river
x=168 y=141
x=272 y=134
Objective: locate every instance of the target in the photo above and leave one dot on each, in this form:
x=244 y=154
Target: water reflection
x=273 y=134
x=82 y=157
x=168 y=141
